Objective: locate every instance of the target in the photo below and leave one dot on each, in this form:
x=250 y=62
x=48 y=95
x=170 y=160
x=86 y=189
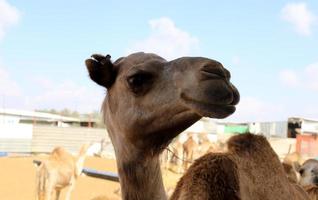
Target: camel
x=60 y=170
x=291 y=164
x=205 y=145
x=291 y=173
x=293 y=158
x=190 y=151
x=172 y=157
x=217 y=147
x=250 y=170
x=309 y=173
x=149 y=102
x=177 y=158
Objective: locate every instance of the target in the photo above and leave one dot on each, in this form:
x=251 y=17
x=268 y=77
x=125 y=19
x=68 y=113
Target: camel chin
x=210 y=110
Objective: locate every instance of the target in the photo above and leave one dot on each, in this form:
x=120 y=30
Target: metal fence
x=46 y=138
x=23 y=139
x=270 y=129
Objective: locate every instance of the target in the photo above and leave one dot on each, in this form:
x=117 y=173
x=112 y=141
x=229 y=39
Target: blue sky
x=270 y=47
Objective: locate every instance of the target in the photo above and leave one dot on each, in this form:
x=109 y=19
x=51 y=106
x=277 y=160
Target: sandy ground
x=17 y=179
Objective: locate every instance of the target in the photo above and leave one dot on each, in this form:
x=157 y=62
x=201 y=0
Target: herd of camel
x=178 y=156
x=149 y=102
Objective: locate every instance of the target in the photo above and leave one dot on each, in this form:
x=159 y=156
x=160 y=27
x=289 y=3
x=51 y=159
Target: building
x=13 y=116
x=36 y=132
x=300 y=125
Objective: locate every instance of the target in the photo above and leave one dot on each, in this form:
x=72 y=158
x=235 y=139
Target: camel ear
x=101 y=70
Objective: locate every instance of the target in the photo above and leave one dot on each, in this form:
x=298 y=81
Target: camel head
x=81 y=157
x=150 y=100
x=309 y=173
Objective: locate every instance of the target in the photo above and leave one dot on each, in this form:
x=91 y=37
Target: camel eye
x=138 y=82
x=301 y=171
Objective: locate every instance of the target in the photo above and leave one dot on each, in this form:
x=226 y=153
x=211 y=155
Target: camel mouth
x=204 y=109
x=214 y=75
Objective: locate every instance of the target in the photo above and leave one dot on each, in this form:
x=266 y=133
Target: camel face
x=309 y=173
x=204 y=86
x=147 y=94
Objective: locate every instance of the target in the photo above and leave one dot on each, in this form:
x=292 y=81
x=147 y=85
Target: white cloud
x=166 y=40
x=236 y=60
x=8 y=87
x=48 y=94
x=255 y=109
x=289 y=78
x=299 y=16
x=9 y=16
x=66 y=94
x=302 y=79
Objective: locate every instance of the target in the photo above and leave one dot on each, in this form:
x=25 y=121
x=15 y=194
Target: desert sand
x=17 y=179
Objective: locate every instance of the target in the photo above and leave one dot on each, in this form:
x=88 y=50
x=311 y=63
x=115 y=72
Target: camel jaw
x=208 y=110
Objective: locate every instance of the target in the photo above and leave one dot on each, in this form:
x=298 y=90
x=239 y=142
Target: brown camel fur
x=312 y=191
x=190 y=151
x=150 y=101
x=250 y=170
x=59 y=171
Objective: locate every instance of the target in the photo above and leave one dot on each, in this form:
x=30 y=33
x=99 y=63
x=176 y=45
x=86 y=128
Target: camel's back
x=213 y=176
x=61 y=164
x=261 y=173
x=61 y=156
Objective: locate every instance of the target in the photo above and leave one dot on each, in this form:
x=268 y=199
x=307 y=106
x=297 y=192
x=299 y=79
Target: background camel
x=251 y=170
x=172 y=157
x=294 y=157
x=204 y=144
x=291 y=173
x=150 y=101
x=59 y=171
x=291 y=164
x=190 y=151
x=309 y=173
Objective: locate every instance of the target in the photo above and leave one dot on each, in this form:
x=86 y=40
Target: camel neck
x=140 y=178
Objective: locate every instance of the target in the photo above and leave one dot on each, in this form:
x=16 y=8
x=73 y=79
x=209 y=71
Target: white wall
x=5 y=119
x=16 y=131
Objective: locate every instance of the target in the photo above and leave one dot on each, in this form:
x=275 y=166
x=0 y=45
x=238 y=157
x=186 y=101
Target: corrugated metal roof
x=40 y=115
x=303 y=118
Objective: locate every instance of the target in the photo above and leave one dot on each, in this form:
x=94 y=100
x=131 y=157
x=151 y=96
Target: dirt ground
x=17 y=179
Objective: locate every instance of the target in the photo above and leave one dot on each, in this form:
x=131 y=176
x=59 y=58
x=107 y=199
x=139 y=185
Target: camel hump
x=58 y=151
x=247 y=143
x=214 y=175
